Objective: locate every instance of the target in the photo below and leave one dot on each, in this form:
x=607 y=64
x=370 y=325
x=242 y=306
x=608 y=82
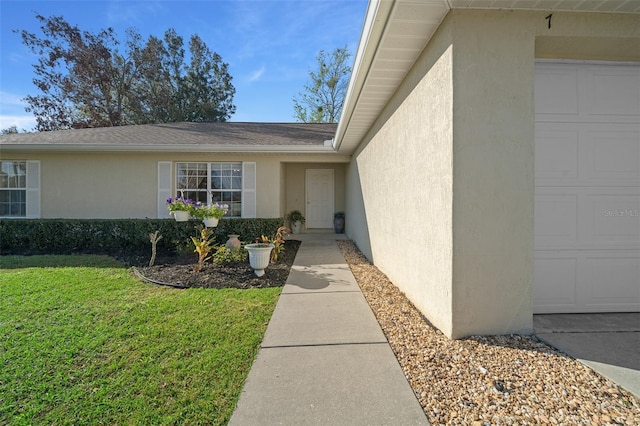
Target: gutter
x=373 y=30
x=181 y=148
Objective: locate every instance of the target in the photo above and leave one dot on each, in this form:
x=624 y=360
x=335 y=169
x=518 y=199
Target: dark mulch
x=179 y=271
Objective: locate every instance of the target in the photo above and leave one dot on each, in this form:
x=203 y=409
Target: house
x=495 y=157
x=258 y=169
x=489 y=152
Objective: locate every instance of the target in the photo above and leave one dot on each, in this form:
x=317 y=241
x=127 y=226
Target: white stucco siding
x=467 y=194
x=77 y=186
x=493 y=174
x=125 y=185
x=405 y=176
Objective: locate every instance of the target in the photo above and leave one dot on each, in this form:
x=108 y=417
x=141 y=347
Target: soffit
x=394 y=34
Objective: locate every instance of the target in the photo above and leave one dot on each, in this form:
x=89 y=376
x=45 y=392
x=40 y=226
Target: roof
x=199 y=137
x=394 y=34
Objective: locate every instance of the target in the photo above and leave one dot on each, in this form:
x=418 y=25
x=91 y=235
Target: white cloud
x=255 y=76
x=12 y=112
x=132 y=14
x=22 y=122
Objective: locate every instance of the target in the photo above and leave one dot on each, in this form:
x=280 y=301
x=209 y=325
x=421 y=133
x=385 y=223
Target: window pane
x=237 y=183
x=13 y=174
x=216 y=183
x=235 y=210
x=226 y=182
x=13 y=203
x=236 y=196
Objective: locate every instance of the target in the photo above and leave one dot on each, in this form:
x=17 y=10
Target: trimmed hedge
x=116 y=236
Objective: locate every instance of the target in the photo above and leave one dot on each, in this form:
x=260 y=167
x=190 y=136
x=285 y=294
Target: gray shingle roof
x=189 y=135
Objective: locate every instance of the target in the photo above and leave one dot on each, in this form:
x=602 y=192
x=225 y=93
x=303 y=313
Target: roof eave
x=378 y=21
x=265 y=149
x=378 y=12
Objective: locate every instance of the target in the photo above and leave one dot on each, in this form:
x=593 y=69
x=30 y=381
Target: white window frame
x=211 y=166
x=31 y=188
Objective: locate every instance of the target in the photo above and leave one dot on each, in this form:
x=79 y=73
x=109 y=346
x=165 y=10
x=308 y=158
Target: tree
x=86 y=81
x=10 y=130
x=321 y=101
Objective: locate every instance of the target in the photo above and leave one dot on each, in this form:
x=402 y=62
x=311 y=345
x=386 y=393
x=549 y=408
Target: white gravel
x=488 y=380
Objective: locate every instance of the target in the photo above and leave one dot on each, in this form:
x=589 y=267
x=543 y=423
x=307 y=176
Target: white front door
x=319 y=189
x=587 y=204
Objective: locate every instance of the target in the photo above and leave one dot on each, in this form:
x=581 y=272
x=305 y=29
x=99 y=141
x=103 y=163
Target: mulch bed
x=179 y=272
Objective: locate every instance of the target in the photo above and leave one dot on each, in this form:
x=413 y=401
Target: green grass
x=92 y=345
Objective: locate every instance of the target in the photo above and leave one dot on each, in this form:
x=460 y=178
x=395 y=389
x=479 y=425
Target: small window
x=211 y=183
x=13 y=188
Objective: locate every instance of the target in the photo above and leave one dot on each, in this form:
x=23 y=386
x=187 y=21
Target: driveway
x=607 y=343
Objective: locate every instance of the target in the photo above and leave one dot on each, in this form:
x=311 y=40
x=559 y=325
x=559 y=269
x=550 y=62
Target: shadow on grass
x=59 y=261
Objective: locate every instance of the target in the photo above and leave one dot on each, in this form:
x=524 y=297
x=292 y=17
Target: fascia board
x=378 y=12
x=280 y=149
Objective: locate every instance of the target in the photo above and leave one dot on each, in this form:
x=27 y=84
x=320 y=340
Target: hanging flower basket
x=180 y=208
x=210 y=222
x=181 y=215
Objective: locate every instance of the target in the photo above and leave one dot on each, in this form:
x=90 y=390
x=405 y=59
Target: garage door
x=587 y=201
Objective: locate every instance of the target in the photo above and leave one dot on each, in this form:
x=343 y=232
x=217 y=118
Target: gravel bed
x=488 y=380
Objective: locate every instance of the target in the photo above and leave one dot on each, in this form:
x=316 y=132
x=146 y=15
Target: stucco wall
x=493 y=175
x=405 y=172
x=447 y=169
x=125 y=185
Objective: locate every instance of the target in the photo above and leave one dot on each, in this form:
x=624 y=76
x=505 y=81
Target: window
x=212 y=183
x=13 y=188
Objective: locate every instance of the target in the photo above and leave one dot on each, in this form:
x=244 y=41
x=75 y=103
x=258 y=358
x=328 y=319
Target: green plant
x=203 y=246
x=225 y=255
x=278 y=242
x=216 y=210
x=180 y=204
x=116 y=236
x=295 y=216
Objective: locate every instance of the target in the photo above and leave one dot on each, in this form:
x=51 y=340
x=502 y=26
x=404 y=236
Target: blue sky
x=270 y=45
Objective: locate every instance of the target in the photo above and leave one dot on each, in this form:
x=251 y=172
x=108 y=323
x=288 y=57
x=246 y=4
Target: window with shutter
x=19 y=188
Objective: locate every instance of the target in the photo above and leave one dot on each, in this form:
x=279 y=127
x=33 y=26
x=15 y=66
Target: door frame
x=331 y=173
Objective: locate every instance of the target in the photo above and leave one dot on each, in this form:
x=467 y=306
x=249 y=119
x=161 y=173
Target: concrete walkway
x=324 y=359
x=607 y=343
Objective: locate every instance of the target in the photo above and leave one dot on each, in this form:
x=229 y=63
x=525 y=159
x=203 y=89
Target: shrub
x=225 y=255
x=116 y=236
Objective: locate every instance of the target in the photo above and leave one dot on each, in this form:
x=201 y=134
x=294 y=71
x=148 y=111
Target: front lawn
x=83 y=342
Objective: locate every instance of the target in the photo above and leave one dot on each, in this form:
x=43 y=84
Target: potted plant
x=296 y=219
x=259 y=256
x=180 y=208
x=210 y=214
x=338 y=222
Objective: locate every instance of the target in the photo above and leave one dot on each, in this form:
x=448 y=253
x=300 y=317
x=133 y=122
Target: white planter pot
x=259 y=256
x=296 y=226
x=210 y=222
x=181 y=216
